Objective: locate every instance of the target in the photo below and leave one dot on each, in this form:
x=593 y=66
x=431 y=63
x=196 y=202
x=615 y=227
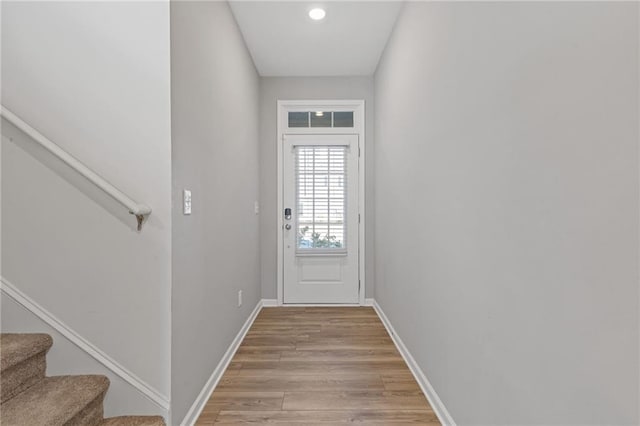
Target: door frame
x=284 y=107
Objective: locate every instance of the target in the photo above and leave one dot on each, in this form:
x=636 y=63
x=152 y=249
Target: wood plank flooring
x=317 y=366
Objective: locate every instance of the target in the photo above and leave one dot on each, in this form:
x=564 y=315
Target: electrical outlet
x=256 y=207
x=186 y=197
x=239 y=298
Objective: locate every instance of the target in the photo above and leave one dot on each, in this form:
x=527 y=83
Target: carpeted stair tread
x=57 y=400
x=15 y=348
x=133 y=421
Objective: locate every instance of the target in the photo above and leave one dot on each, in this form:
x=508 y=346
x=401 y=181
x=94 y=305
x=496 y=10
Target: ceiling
x=284 y=41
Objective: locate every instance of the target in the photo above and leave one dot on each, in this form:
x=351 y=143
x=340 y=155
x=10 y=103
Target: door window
x=321 y=174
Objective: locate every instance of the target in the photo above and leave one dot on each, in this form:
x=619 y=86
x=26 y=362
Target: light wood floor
x=309 y=366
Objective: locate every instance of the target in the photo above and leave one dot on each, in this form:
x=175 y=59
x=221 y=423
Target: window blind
x=321 y=175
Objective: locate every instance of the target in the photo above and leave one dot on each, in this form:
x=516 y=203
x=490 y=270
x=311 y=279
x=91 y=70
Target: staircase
x=29 y=398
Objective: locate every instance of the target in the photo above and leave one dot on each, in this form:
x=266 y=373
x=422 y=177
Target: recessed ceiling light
x=317 y=14
x=319 y=113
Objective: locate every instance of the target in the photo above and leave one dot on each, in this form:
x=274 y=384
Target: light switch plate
x=186 y=197
x=256 y=207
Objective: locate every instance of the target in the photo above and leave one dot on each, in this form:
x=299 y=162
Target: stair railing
x=140 y=211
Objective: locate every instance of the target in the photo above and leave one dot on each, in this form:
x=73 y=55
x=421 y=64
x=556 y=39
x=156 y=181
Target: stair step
x=58 y=400
x=16 y=347
x=22 y=362
x=133 y=421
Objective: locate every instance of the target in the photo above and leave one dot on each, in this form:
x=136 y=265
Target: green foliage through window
x=316 y=240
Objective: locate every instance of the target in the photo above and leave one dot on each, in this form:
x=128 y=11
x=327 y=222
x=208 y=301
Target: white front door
x=320 y=213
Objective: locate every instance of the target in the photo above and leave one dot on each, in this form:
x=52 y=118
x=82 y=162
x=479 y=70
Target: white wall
x=273 y=89
x=94 y=78
x=507 y=206
x=215 y=155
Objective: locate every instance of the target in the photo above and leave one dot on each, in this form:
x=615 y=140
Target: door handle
x=287 y=227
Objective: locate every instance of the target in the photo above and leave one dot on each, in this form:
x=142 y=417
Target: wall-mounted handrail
x=139 y=210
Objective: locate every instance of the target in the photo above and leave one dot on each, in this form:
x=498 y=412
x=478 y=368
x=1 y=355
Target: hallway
x=179 y=178
x=330 y=365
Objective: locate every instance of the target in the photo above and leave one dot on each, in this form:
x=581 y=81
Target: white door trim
x=357 y=106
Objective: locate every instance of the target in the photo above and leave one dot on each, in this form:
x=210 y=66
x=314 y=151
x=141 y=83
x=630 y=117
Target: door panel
x=320 y=234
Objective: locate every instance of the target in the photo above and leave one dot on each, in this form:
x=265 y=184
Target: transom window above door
x=315 y=119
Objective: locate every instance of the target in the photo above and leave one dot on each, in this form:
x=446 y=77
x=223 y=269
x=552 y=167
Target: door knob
x=287 y=227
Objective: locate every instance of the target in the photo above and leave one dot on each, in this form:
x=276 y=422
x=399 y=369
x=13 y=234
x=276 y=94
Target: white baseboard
x=433 y=398
x=321 y=305
x=198 y=405
x=48 y=318
x=274 y=302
